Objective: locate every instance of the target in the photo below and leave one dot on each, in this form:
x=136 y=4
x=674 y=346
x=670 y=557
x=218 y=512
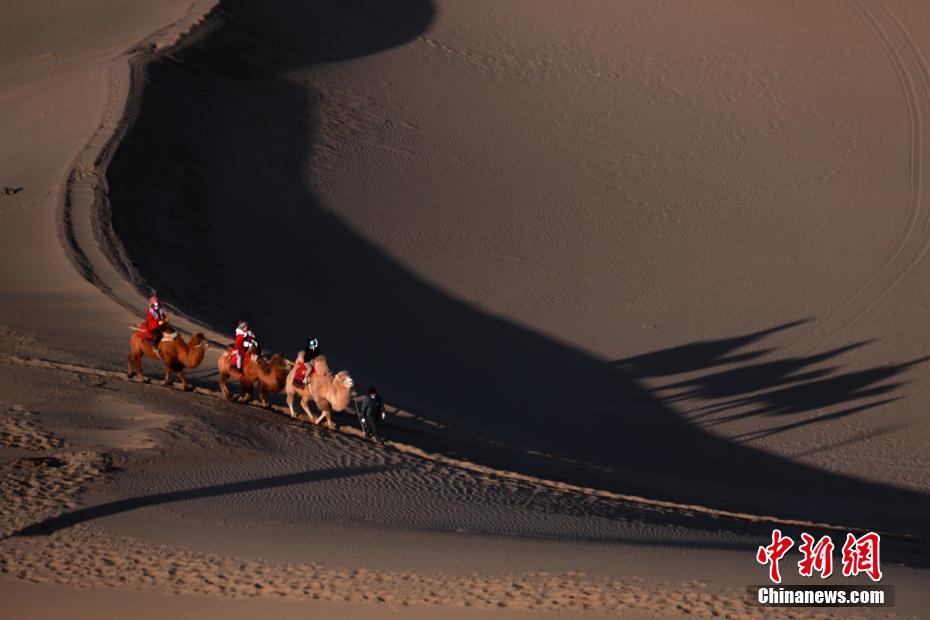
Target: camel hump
x=321 y=365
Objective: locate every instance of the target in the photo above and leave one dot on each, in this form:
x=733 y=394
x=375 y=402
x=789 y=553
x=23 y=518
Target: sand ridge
x=57 y=544
x=687 y=509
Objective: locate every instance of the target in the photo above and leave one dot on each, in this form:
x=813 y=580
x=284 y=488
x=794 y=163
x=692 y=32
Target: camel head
x=274 y=363
x=343 y=377
x=340 y=393
x=192 y=355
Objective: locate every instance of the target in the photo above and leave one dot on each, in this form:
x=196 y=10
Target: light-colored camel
x=270 y=374
x=176 y=355
x=328 y=392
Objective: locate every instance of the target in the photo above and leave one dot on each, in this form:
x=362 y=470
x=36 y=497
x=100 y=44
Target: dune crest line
x=84 y=221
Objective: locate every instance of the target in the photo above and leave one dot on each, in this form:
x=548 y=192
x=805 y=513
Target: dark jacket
x=373 y=408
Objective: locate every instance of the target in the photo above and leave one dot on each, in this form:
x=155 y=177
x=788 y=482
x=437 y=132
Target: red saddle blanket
x=232 y=356
x=303 y=374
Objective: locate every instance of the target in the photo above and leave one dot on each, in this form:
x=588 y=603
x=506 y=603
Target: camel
x=329 y=392
x=176 y=354
x=270 y=374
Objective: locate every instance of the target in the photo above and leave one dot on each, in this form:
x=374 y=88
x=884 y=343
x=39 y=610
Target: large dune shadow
x=211 y=199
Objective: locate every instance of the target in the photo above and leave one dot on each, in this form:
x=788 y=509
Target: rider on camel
x=304 y=371
x=312 y=350
x=155 y=320
x=245 y=341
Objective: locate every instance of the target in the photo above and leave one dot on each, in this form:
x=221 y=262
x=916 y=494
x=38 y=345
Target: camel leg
x=325 y=413
x=247 y=389
x=167 y=375
x=137 y=362
x=184 y=384
x=290 y=404
x=223 y=387
x=304 y=400
x=261 y=395
x=129 y=372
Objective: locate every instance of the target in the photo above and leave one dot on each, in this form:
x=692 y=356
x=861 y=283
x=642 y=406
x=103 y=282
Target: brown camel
x=329 y=392
x=270 y=374
x=176 y=354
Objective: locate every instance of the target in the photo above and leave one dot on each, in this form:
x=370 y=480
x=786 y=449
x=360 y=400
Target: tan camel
x=176 y=354
x=329 y=392
x=270 y=374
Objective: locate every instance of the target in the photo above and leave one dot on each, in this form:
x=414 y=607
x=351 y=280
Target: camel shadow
x=797 y=387
x=221 y=149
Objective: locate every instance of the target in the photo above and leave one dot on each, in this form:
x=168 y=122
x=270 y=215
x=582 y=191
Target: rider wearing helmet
x=155 y=320
x=307 y=357
x=312 y=349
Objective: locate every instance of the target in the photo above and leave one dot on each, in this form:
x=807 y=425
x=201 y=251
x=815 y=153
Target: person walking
x=372 y=413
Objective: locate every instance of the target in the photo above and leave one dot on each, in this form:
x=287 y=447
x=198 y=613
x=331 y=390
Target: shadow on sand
x=210 y=195
x=99 y=511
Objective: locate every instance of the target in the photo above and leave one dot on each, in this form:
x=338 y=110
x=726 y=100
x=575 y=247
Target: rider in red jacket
x=155 y=319
x=304 y=371
x=245 y=340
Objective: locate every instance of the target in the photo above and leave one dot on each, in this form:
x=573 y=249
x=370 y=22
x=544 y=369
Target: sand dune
x=220 y=468
x=641 y=280
x=451 y=325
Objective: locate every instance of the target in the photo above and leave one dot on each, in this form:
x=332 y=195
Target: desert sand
x=639 y=281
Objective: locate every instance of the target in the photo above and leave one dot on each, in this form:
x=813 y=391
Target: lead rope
x=355 y=402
